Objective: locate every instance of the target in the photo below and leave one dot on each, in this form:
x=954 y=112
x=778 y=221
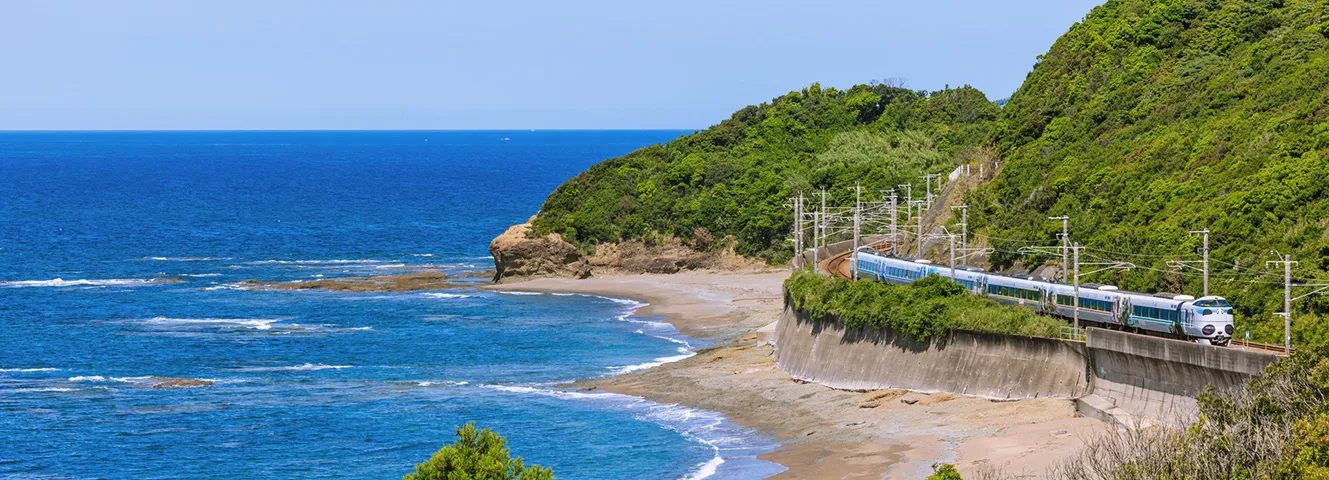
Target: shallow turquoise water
x=310 y=384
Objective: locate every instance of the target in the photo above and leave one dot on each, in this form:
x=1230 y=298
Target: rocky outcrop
x=407 y=282
x=168 y=382
x=516 y=255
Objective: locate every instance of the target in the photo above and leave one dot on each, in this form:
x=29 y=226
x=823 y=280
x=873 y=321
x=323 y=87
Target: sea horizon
x=122 y=262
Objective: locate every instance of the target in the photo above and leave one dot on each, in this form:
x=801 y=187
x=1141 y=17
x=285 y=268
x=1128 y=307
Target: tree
x=944 y=471
x=477 y=455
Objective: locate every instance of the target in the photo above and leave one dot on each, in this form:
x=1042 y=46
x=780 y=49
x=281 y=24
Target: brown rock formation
x=167 y=382
x=407 y=282
x=516 y=255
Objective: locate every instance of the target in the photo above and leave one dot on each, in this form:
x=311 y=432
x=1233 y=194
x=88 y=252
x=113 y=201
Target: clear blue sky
x=239 y=64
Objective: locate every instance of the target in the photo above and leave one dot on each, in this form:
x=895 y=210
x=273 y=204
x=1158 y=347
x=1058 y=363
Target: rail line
x=840 y=266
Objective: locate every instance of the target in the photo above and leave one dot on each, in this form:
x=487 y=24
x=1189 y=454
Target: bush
x=944 y=471
x=921 y=310
x=477 y=455
x=1275 y=428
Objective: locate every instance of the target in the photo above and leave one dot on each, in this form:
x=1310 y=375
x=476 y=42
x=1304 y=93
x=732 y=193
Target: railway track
x=840 y=266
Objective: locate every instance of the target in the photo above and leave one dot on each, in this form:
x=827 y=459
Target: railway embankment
x=964 y=362
x=1119 y=378
x=1139 y=379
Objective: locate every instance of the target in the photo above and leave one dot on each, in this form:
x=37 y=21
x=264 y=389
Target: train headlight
x=1208 y=330
x=1228 y=329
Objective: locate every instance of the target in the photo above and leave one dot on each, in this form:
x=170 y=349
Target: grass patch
x=923 y=310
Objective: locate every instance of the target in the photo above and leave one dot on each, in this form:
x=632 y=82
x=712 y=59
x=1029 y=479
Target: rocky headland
x=520 y=254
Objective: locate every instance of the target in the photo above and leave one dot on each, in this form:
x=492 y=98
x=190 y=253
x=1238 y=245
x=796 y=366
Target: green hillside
x=1145 y=121
x=1150 y=119
x=734 y=178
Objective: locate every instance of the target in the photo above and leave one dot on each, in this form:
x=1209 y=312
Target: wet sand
x=825 y=433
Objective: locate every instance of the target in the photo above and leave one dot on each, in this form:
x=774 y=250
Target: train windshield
x=1217 y=303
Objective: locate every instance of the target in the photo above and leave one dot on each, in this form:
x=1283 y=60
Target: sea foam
x=60 y=282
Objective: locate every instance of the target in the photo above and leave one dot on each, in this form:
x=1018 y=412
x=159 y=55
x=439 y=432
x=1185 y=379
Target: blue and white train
x=1206 y=320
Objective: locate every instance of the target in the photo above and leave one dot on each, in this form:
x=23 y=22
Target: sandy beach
x=825 y=433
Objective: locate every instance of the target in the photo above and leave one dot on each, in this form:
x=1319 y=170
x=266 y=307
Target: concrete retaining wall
x=965 y=362
x=1125 y=379
x=1158 y=379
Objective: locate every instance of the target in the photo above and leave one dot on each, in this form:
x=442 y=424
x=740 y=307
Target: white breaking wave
x=99 y=378
x=227 y=286
x=675 y=340
x=252 y=323
x=308 y=367
x=45 y=389
x=200 y=275
x=700 y=426
x=313 y=262
x=450 y=295
x=25 y=370
x=685 y=353
x=60 y=282
x=525 y=294
x=446 y=383
x=707 y=469
x=391 y=265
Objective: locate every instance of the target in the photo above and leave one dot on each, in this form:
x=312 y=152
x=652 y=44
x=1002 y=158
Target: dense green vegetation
x=477 y=455
x=733 y=179
x=1148 y=119
x=1276 y=428
x=922 y=310
x=944 y=471
x=1153 y=118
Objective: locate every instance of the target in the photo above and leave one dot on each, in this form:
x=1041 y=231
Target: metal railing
x=1072 y=333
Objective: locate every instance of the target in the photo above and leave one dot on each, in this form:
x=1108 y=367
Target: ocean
x=312 y=384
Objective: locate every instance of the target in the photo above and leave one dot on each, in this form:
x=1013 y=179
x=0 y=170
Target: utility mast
x=1287 y=264
x=1205 y=234
x=858 y=208
x=1065 y=246
x=964 y=228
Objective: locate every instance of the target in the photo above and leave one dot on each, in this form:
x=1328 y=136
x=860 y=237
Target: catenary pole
x=858 y=207
x=1076 y=315
x=1065 y=245
x=1287 y=300
x=964 y=228
x=952 y=239
x=1205 y=234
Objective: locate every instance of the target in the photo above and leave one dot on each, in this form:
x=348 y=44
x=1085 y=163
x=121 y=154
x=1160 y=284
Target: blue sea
x=311 y=384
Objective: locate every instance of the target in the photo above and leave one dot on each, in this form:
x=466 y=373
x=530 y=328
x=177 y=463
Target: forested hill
x=1150 y=119
x=734 y=178
x=1147 y=120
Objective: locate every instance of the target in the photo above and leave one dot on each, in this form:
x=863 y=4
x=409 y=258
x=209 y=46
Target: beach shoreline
x=822 y=432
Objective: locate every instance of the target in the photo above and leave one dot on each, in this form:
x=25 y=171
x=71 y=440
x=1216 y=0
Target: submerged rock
x=167 y=382
x=407 y=282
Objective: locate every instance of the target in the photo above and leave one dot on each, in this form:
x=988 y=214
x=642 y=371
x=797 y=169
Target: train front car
x=1210 y=320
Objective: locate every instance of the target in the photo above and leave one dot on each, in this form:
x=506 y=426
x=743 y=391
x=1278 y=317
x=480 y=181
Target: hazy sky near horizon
x=414 y=64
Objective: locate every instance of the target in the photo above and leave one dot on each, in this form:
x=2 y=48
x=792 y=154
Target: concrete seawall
x=1120 y=378
x=1140 y=379
x=964 y=362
